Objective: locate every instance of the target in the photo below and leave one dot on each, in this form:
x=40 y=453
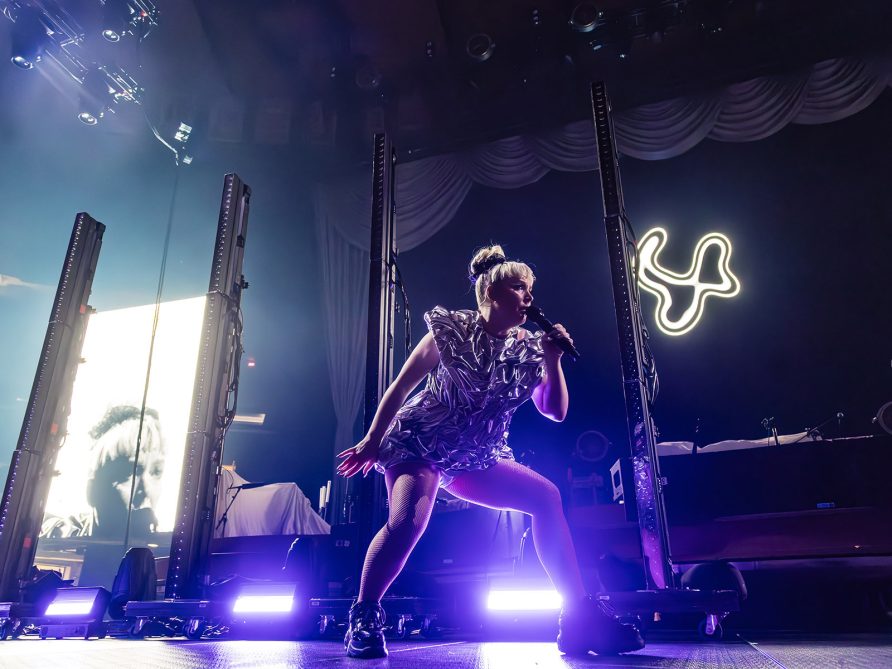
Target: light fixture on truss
x=103 y=89
x=122 y=18
x=44 y=30
x=29 y=36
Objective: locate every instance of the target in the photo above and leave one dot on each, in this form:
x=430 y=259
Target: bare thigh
x=507 y=485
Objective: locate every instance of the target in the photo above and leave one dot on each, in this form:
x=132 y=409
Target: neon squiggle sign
x=657 y=280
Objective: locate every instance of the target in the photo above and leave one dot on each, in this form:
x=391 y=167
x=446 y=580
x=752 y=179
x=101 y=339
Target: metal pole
x=637 y=364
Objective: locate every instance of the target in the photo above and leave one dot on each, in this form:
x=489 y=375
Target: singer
x=479 y=367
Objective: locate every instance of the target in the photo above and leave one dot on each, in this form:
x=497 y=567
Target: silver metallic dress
x=460 y=420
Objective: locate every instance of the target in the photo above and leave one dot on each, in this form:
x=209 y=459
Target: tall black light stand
x=662 y=593
x=46 y=417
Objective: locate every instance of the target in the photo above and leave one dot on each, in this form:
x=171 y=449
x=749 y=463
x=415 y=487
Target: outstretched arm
x=550 y=396
x=363 y=456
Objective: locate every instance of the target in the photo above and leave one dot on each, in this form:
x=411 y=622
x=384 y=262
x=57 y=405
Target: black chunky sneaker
x=365 y=634
x=587 y=626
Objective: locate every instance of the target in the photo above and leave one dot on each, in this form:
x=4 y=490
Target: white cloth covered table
x=685 y=447
x=275 y=508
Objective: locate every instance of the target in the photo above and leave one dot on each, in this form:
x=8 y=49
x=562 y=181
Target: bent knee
x=547 y=499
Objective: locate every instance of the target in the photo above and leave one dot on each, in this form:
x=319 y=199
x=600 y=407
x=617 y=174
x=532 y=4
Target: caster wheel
x=431 y=632
x=194 y=628
x=5 y=630
x=138 y=629
x=717 y=634
x=42 y=633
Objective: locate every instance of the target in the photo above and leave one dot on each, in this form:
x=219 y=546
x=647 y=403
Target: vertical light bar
x=210 y=416
x=379 y=344
x=34 y=459
x=648 y=482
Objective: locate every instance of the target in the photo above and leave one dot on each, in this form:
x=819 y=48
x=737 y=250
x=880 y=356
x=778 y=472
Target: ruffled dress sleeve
x=449 y=329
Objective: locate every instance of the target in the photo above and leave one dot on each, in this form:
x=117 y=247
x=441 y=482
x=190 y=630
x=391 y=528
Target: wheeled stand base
x=716 y=604
x=175 y=617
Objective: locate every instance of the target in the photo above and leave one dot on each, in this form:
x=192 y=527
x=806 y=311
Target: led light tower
x=44 y=426
x=212 y=408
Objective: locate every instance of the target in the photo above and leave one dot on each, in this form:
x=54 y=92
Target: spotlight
x=503 y=599
x=116 y=16
x=367 y=77
x=87 y=118
x=29 y=37
x=585 y=17
x=76 y=612
x=480 y=47
x=127 y=17
x=22 y=62
x=521 y=607
x=96 y=97
x=264 y=599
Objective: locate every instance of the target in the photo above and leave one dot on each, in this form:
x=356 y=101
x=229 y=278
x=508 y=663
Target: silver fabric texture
x=460 y=420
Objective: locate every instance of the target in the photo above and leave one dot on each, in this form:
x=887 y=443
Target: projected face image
x=95 y=465
x=111 y=473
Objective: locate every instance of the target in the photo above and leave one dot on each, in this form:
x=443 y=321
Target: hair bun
x=485 y=259
x=488 y=264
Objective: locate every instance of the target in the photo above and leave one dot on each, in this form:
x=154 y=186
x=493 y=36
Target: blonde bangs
x=512 y=269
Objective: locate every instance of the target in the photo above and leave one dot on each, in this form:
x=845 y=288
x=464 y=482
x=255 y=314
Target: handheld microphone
x=535 y=314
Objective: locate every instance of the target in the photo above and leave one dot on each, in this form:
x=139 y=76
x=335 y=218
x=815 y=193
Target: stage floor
x=745 y=651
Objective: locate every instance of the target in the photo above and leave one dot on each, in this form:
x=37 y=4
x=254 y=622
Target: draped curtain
x=430 y=191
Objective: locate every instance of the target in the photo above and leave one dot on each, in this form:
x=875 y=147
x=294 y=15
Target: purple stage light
x=81 y=602
x=523 y=600
x=265 y=598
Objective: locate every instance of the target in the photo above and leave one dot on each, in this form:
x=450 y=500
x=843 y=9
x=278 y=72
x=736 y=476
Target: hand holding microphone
x=535 y=315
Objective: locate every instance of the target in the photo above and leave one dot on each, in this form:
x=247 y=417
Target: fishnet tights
x=411 y=491
x=511 y=486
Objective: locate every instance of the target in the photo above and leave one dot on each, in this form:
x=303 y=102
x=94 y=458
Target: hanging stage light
x=116 y=16
x=585 y=17
x=96 y=97
x=127 y=17
x=29 y=38
x=480 y=47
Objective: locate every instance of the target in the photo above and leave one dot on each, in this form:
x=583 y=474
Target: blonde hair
x=490 y=265
x=115 y=436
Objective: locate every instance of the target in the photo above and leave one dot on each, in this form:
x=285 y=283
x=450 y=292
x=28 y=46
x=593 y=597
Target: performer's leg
x=584 y=624
x=411 y=491
x=508 y=485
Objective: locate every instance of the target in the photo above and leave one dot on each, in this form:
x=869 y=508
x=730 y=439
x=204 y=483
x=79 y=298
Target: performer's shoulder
x=440 y=312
